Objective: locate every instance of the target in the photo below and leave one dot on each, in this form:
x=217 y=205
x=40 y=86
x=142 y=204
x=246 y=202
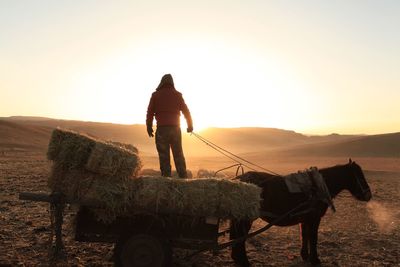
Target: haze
x=310 y=66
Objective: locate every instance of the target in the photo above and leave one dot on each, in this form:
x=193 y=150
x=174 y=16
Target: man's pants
x=170 y=137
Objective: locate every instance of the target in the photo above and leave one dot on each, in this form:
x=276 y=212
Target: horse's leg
x=313 y=234
x=239 y=229
x=305 y=239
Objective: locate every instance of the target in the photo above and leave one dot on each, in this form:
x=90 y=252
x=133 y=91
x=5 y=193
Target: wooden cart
x=144 y=239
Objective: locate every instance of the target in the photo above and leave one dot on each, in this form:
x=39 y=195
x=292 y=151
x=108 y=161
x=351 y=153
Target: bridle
x=364 y=189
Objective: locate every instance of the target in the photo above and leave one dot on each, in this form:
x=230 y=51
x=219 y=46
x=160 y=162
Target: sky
x=314 y=67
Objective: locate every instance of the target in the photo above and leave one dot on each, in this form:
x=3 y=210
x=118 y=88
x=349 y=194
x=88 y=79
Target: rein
x=238 y=166
x=230 y=155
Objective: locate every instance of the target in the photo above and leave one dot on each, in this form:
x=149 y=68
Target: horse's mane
x=336 y=166
x=255 y=177
x=259 y=178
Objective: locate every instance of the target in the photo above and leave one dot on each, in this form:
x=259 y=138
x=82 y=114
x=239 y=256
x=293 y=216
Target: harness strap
x=322 y=191
x=273 y=216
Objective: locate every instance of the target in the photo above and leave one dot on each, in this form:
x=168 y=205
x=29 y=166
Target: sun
x=224 y=85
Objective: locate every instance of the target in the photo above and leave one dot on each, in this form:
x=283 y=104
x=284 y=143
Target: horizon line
x=43 y=118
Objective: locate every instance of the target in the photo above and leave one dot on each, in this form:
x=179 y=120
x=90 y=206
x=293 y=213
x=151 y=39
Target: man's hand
x=150 y=131
x=189 y=129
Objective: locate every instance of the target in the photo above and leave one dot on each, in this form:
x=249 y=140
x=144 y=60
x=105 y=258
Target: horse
x=277 y=200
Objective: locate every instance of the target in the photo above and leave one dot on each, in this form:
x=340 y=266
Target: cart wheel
x=143 y=250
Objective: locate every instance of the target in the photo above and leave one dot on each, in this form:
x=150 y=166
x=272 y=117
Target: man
x=166 y=104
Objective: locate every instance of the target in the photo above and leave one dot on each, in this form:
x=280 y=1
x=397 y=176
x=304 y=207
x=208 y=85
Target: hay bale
x=196 y=197
x=206 y=197
x=75 y=184
x=114 y=197
x=74 y=151
x=85 y=186
x=85 y=168
x=71 y=150
x=239 y=199
x=108 y=159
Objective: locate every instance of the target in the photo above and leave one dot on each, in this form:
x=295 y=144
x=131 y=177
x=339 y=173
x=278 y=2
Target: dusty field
x=356 y=235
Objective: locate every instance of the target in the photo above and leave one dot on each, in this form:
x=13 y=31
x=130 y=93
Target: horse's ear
x=350 y=161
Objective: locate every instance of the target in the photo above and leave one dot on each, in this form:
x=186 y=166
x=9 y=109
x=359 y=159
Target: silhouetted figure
x=166 y=104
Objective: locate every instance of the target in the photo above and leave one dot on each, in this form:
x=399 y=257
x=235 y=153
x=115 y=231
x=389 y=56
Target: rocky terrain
x=358 y=234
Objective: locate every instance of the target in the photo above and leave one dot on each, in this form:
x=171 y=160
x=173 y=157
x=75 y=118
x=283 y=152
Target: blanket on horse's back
x=308 y=182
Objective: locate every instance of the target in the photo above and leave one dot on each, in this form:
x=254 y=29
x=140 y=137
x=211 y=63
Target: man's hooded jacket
x=166 y=103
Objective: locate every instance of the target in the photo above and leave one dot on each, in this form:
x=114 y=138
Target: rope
x=232 y=156
x=238 y=165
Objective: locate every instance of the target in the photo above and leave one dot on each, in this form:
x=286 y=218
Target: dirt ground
x=358 y=234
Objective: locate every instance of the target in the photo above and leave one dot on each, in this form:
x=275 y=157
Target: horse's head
x=358 y=186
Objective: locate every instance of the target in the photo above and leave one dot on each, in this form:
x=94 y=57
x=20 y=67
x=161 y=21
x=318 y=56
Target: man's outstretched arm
x=187 y=115
x=150 y=117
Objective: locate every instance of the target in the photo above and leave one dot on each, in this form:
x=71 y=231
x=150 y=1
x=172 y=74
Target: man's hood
x=166 y=81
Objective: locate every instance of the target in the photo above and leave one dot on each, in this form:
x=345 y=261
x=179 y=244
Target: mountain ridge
x=34 y=132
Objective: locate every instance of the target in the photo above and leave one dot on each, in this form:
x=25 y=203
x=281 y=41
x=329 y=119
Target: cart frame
x=160 y=232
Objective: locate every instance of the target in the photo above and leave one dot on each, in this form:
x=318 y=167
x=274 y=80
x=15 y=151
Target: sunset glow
x=312 y=67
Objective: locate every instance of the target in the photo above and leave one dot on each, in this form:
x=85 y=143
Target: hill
x=133 y=134
x=237 y=140
x=382 y=145
x=246 y=140
x=34 y=133
x=21 y=136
